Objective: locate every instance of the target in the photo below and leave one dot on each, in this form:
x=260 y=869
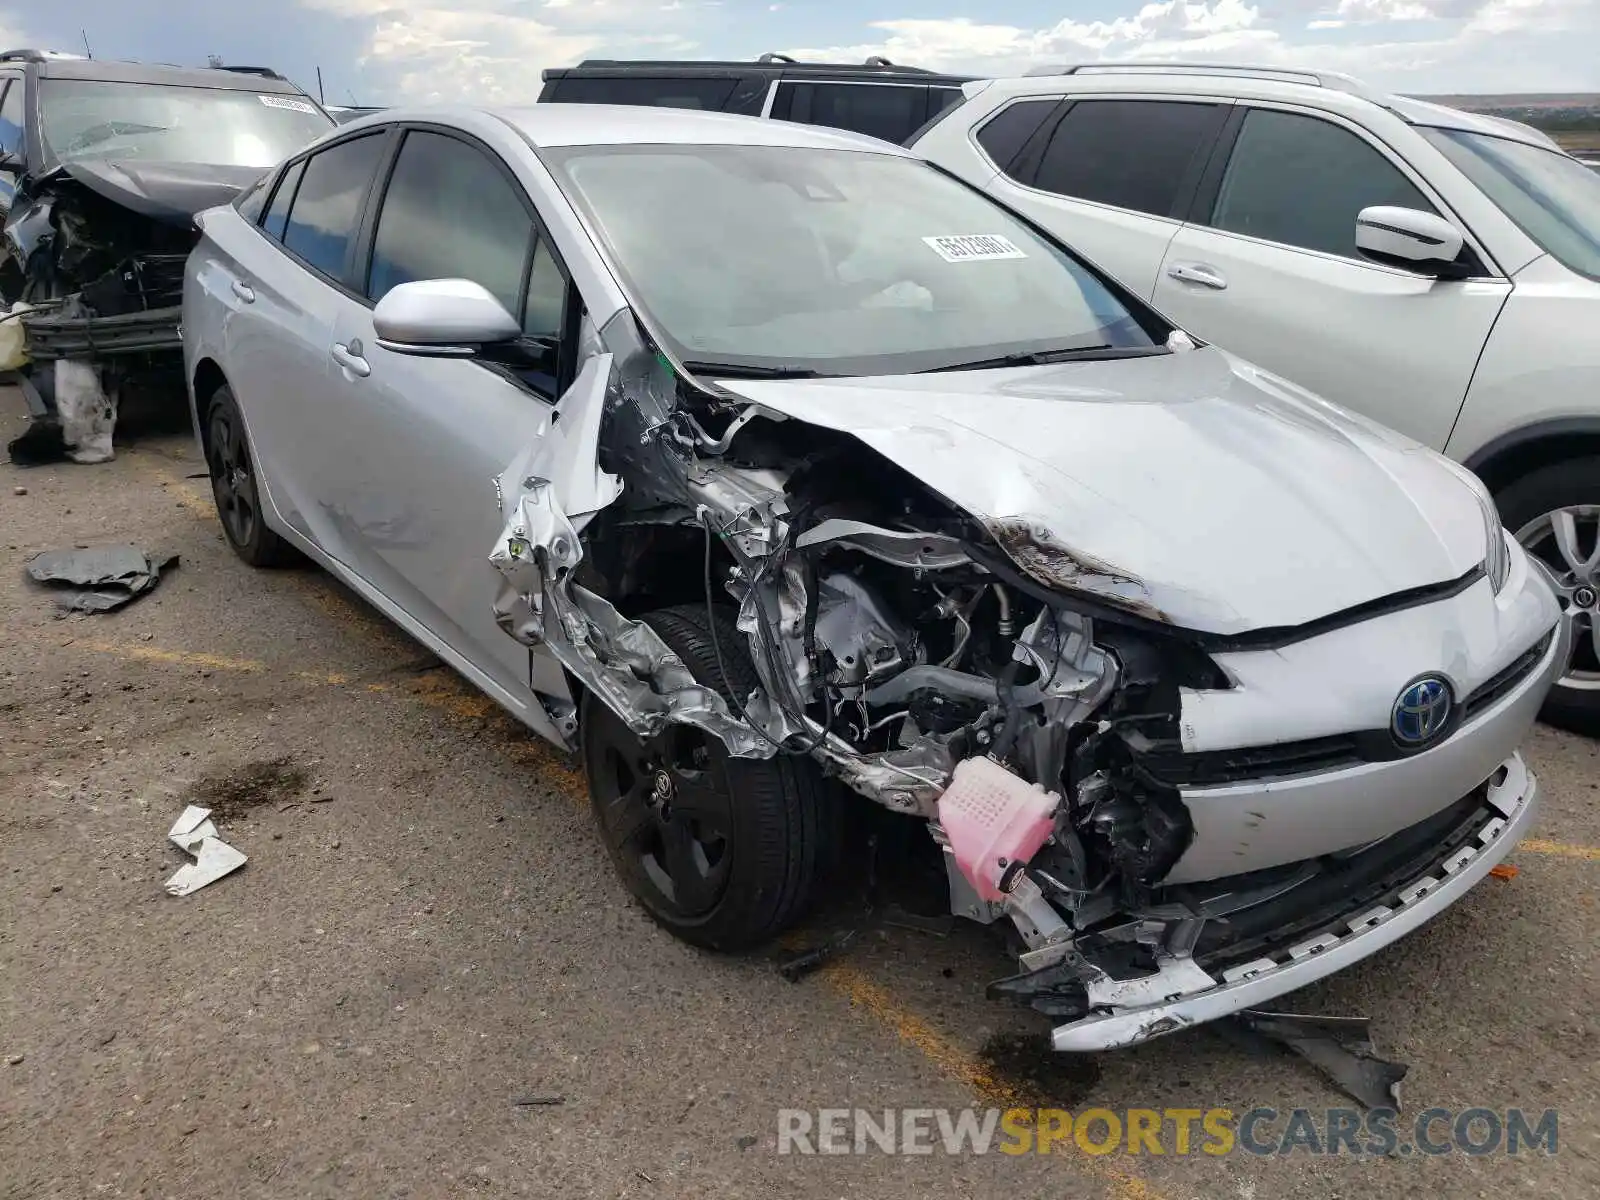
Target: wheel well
x=1501 y=466
x=208 y=377
x=644 y=567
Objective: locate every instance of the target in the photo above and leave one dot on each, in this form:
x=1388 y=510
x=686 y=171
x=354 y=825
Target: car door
x=1111 y=176
x=281 y=291
x=1268 y=270
x=421 y=441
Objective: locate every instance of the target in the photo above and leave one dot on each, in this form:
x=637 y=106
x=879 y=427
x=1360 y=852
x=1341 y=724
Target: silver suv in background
x=1433 y=269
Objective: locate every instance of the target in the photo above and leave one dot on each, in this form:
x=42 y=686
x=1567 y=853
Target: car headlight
x=1496 y=553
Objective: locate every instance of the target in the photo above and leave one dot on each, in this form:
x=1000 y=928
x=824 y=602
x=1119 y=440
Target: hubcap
x=666 y=813
x=1567 y=541
x=229 y=464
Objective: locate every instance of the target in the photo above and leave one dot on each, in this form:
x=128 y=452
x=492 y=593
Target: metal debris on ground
x=195 y=833
x=537 y=1101
x=797 y=968
x=1340 y=1048
x=95 y=579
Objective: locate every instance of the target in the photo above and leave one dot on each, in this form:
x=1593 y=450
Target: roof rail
x=264 y=72
x=35 y=56
x=1329 y=79
x=774 y=56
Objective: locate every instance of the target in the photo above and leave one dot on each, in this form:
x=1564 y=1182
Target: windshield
x=837 y=262
x=1554 y=199
x=83 y=118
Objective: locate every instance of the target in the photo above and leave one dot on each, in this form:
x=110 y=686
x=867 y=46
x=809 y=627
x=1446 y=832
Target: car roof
x=1326 y=90
x=557 y=125
x=877 y=70
x=105 y=71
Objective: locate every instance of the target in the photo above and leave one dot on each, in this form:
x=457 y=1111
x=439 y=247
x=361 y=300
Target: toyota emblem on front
x=1421 y=711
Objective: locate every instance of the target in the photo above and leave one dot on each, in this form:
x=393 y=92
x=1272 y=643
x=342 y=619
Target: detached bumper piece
x=56 y=335
x=1385 y=891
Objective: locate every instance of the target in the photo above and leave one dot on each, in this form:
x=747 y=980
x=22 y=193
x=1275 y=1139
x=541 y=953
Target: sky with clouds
x=492 y=51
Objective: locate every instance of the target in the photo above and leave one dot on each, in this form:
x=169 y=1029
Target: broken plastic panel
x=94 y=579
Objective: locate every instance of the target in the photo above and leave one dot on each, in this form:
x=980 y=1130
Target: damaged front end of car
x=965 y=669
x=93 y=276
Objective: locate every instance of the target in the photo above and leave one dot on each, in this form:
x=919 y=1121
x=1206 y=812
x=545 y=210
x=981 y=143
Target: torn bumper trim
x=50 y=336
x=1249 y=985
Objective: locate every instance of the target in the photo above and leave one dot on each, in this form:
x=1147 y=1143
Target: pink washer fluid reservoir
x=992 y=819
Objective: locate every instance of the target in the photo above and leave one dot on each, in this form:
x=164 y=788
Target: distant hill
x=1553 y=112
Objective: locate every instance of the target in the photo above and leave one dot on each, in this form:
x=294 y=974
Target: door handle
x=1205 y=276
x=244 y=291
x=349 y=357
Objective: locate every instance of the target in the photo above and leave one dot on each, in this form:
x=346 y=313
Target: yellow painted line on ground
x=950 y=1058
x=1559 y=849
x=176 y=658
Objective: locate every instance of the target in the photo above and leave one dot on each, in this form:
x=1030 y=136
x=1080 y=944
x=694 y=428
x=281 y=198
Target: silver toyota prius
x=774 y=471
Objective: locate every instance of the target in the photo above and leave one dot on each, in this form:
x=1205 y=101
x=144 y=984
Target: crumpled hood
x=1191 y=487
x=169 y=192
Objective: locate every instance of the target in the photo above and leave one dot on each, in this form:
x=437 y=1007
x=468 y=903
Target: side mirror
x=441 y=318
x=1410 y=238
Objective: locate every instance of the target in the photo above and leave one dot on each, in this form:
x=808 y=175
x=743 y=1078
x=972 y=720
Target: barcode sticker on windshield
x=971 y=247
x=286 y=102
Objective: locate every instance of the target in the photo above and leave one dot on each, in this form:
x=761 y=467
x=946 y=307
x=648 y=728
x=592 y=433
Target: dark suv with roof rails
x=877 y=97
x=103 y=166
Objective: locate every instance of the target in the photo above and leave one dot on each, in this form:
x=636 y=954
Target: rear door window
x=327 y=204
x=1143 y=155
x=1004 y=135
x=1302 y=181
x=277 y=218
x=450 y=212
x=892 y=112
x=669 y=91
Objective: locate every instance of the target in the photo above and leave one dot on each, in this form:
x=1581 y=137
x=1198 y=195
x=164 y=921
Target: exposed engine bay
x=93 y=275
x=901 y=645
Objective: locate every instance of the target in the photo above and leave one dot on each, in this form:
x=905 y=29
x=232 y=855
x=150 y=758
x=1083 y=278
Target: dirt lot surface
x=428 y=932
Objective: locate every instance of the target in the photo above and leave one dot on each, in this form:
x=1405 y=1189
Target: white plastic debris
x=12 y=337
x=195 y=833
x=88 y=415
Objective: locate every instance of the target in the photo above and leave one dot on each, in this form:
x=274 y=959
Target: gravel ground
x=428 y=932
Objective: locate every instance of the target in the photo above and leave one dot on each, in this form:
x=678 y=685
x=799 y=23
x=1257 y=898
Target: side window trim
x=1031 y=160
x=772 y=96
x=1203 y=216
x=1204 y=201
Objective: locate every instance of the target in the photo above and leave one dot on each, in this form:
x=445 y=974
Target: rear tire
x=1531 y=508
x=232 y=468
x=723 y=852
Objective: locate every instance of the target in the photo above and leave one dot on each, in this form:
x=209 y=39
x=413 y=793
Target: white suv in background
x=1435 y=270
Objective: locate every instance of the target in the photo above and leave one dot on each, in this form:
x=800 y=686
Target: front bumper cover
x=51 y=335
x=1181 y=994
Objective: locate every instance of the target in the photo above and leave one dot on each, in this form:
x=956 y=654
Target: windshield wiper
x=1038 y=358
x=747 y=371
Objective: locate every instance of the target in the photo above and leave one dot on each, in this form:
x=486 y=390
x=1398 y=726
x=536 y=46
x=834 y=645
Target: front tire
x=232 y=468
x=1555 y=513
x=723 y=852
